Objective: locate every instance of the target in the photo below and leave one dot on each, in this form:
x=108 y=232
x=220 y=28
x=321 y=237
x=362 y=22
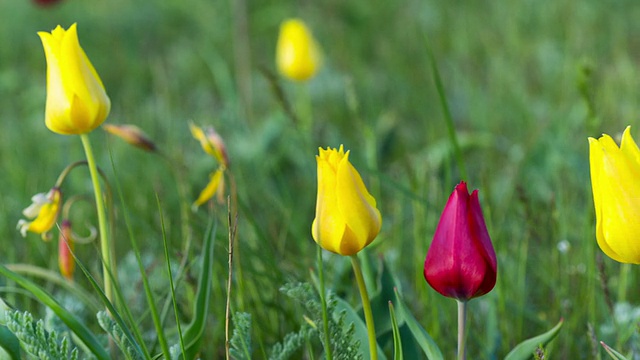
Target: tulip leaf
x=525 y=349
x=68 y=318
x=351 y=316
x=10 y=344
x=424 y=340
x=192 y=335
x=397 y=341
x=614 y=354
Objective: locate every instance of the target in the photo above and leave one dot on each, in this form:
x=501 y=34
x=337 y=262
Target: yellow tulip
x=347 y=219
x=76 y=99
x=44 y=212
x=615 y=180
x=297 y=53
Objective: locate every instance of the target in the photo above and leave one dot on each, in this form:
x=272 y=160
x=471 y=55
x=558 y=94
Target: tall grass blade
x=397 y=341
x=171 y=285
x=134 y=340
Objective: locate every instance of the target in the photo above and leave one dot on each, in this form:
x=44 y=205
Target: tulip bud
x=132 y=135
x=76 y=100
x=615 y=181
x=297 y=53
x=44 y=212
x=461 y=262
x=66 y=262
x=347 y=219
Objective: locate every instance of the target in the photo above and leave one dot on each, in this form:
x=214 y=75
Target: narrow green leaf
x=429 y=347
x=525 y=349
x=397 y=342
x=614 y=354
x=171 y=284
x=192 y=336
x=9 y=343
x=360 y=327
x=113 y=312
x=71 y=321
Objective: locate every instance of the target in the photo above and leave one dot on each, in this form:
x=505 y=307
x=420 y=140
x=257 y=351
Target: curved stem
x=323 y=301
x=105 y=245
x=462 y=326
x=366 y=306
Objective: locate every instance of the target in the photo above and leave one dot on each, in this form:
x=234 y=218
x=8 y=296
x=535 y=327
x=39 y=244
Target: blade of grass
x=134 y=340
x=170 y=275
x=397 y=342
x=453 y=137
x=71 y=321
x=145 y=281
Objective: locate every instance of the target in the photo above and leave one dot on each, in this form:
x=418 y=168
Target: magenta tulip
x=461 y=262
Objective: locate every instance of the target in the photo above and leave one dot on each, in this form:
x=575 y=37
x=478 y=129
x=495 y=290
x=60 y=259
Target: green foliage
x=36 y=340
x=118 y=335
x=241 y=340
x=343 y=344
x=529 y=347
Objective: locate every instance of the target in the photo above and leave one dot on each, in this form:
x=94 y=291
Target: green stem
x=622 y=283
x=366 y=306
x=105 y=245
x=323 y=301
x=462 y=329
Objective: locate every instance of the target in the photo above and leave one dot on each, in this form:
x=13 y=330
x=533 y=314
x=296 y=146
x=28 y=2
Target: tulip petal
x=76 y=99
x=329 y=225
x=358 y=208
x=614 y=175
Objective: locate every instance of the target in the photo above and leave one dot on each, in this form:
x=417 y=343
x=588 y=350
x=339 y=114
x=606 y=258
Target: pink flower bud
x=66 y=262
x=461 y=262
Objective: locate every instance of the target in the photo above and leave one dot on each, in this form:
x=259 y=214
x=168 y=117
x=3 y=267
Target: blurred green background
x=526 y=81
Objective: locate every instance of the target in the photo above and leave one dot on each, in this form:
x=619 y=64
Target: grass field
x=526 y=82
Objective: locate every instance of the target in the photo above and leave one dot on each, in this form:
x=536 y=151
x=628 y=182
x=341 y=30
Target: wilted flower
x=461 y=262
x=297 y=53
x=44 y=212
x=347 y=219
x=214 y=187
x=211 y=143
x=132 y=135
x=66 y=245
x=76 y=99
x=615 y=180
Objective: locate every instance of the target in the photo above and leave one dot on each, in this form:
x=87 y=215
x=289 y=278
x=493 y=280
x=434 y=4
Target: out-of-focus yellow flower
x=214 y=187
x=66 y=245
x=132 y=135
x=44 y=212
x=76 y=99
x=297 y=54
x=211 y=143
x=615 y=180
x=347 y=219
